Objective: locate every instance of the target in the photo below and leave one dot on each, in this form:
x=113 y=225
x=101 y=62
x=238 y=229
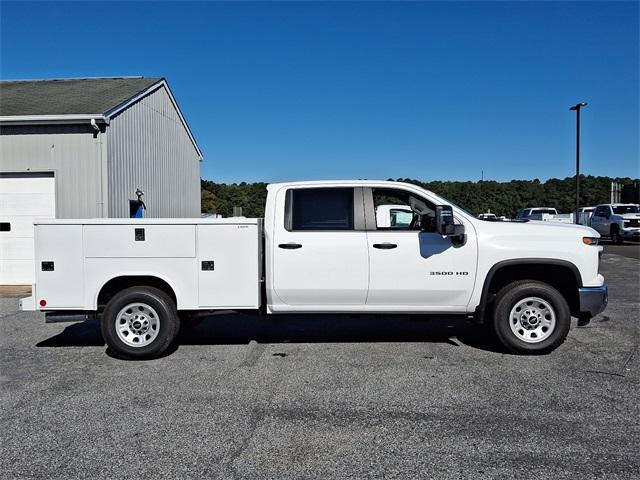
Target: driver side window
x=602 y=212
x=402 y=210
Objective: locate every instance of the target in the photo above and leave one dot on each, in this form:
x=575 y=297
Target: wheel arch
x=560 y=274
x=121 y=282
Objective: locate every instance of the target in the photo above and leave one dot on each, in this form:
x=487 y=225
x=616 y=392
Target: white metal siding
x=70 y=151
x=150 y=149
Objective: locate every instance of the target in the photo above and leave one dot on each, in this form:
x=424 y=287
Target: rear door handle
x=384 y=246
x=290 y=246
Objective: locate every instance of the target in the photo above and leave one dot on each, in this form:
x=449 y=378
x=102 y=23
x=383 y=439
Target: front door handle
x=384 y=246
x=290 y=246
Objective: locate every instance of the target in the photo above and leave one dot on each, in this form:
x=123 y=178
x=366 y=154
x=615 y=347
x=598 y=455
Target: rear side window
x=320 y=209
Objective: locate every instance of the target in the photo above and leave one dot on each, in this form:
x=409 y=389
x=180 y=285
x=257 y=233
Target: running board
x=69 y=316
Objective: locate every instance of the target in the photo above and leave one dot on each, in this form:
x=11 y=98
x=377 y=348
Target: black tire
x=615 y=235
x=510 y=296
x=159 y=304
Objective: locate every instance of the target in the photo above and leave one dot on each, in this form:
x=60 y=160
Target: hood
x=627 y=216
x=537 y=227
x=567 y=226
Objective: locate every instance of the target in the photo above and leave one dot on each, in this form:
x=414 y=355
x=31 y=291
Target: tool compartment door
x=140 y=241
x=228 y=266
x=59 y=266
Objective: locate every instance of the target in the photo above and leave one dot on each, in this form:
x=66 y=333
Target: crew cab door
x=319 y=249
x=414 y=270
x=600 y=220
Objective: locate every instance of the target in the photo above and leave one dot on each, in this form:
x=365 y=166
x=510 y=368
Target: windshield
x=622 y=209
x=445 y=201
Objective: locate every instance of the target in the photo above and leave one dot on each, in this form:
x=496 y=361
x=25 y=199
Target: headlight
x=590 y=240
x=626 y=223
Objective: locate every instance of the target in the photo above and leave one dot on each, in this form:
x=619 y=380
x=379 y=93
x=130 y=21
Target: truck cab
x=334 y=250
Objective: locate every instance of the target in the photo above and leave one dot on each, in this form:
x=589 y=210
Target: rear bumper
x=593 y=300
x=27 y=303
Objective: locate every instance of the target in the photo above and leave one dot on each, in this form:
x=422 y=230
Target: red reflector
x=43 y=303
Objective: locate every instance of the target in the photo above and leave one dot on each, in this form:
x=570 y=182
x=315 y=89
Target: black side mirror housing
x=444 y=220
x=445 y=224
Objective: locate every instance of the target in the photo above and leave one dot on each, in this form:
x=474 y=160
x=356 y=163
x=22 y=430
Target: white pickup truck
x=545 y=214
x=319 y=249
x=619 y=221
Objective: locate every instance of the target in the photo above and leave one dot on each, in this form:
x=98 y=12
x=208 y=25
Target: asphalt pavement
x=628 y=249
x=322 y=396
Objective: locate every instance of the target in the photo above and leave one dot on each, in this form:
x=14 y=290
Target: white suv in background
x=619 y=221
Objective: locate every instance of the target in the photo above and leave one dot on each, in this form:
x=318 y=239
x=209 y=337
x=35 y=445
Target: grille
x=632 y=223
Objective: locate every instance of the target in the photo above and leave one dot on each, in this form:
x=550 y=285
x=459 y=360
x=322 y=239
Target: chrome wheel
x=532 y=319
x=137 y=324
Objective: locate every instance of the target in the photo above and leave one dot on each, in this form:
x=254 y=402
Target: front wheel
x=140 y=323
x=615 y=235
x=531 y=317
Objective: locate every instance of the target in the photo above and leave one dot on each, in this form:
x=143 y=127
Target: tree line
x=501 y=198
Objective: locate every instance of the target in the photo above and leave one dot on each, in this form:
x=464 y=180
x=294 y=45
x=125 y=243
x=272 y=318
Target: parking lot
x=324 y=397
x=628 y=249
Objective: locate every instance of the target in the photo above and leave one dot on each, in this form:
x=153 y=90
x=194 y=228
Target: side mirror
x=445 y=224
x=444 y=220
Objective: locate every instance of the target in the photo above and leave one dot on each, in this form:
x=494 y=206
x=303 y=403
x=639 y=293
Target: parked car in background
x=491 y=217
x=393 y=216
x=619 y=221
x=545 y=214
x=558 y=218
x=584 y=215
x=526 y=213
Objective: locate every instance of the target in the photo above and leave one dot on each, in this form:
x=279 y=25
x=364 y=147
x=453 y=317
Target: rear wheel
x=615 y=235
x=531 y=317
x=140 y=323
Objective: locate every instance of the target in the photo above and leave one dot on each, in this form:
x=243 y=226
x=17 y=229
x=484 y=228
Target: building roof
x=77 y=100
x=73 y=96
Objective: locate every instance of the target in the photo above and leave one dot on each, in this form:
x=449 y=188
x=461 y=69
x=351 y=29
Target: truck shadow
x=237 y=329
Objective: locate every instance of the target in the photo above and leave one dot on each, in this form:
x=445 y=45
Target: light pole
x=577 y=108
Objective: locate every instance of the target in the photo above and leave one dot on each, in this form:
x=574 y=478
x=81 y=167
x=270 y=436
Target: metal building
x=79 y=148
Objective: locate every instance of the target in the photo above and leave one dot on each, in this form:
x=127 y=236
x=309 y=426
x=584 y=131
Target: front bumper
x=630 y=232
x=593 y=300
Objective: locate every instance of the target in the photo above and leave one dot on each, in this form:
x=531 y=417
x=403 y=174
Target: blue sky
x=292 y=91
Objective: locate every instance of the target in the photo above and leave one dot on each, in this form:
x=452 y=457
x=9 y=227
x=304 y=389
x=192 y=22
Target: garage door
x=23 y=198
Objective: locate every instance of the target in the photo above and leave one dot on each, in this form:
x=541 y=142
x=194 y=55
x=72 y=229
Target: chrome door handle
x=290 y=246
x=384 y=246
